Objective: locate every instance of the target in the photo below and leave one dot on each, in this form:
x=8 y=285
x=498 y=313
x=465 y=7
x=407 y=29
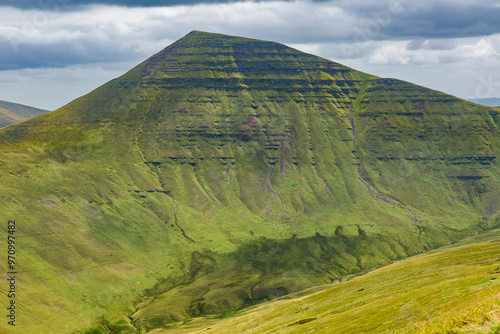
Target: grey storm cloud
x=447 y=20
x=60 y=54
x=400 y=19
x=36 y=4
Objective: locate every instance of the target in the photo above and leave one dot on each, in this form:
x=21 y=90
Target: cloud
x=48 y=35
x=91 y=36
x=482 y=49
x=457 y=51
x=432 y=44
x=71 y=4
x=33 y=38
x=425 y=19
x=446 y=19
x=370 y=35
x=392 y=53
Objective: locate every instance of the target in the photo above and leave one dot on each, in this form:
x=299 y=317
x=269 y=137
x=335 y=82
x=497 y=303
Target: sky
x=54 y=51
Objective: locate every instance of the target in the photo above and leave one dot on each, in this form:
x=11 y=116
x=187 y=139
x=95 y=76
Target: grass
x=445 y=292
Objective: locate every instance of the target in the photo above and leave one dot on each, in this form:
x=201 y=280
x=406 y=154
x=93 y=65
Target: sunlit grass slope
x=452 y=291
x=228 y=157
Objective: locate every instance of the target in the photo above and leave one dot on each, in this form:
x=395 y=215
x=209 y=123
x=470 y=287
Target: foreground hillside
x=11 y=113
x=452 y=291
x=229 y=157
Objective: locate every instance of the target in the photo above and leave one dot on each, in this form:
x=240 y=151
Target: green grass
x=445 y=292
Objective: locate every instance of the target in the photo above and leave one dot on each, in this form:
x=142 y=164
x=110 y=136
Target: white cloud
x=392 y=53
x=482 y=49
x=109 y=29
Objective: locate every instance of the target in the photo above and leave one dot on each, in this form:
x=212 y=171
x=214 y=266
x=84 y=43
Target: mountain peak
x=215 y=57
x=207 y=34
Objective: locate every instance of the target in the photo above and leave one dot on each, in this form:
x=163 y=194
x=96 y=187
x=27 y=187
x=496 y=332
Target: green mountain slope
x=453 y=291
x=11 y=113
x=228 y=157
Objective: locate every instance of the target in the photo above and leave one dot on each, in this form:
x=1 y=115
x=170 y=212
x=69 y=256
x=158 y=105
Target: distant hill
x=491 y=102
x=11 y=113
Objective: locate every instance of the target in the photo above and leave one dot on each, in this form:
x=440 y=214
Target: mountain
x=223 y=172
x=11 y=113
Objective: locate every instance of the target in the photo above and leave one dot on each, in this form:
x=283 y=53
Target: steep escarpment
x=227 y=157
x=415 y=141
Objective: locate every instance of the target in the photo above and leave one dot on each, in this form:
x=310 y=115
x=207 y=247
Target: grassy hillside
x=227 y=157
x=11 y=113
x=451 y=291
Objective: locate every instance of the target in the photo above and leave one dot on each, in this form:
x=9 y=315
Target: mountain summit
x=225 y=171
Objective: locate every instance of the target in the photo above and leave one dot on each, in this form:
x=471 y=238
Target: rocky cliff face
x=228 y=157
